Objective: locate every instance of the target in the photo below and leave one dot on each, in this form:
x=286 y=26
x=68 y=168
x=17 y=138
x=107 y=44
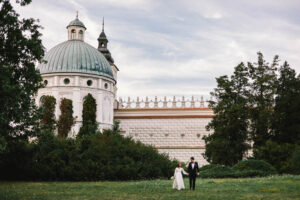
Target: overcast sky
x=177 y=47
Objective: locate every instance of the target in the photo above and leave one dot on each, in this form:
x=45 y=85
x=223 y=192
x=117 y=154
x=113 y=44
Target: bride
x=178 y=180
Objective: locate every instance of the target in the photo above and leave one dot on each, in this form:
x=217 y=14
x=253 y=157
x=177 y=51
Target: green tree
x=20 y=49
x=228 y=143
x=66 y=119
x=264 y=79
x=48 y=116
x=282 y=148
x=89 y=124
x=286 y=123
x=278 y=155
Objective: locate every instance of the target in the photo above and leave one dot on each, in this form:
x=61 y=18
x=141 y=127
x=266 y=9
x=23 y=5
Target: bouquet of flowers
x=172 y=178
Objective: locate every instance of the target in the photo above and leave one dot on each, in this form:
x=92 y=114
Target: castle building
x=74 y=69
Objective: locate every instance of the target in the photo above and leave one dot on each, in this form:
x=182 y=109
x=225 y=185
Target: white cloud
x=145 y=5
x=206 y=9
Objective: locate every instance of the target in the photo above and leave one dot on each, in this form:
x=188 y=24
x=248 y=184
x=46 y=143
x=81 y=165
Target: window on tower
x=102 y=45
x=73 y=34
x=89 y=82
x=66 y=81
x=80 y=36
x=45 y=82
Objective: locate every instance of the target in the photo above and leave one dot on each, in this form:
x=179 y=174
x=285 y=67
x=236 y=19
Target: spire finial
x=103 y=24
x=76 y=14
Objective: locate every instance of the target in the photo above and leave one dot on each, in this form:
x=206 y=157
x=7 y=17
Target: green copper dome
x=75 y=56
x=76 y=22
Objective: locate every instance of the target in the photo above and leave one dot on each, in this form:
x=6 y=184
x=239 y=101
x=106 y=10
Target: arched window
x=80 y=35
x=73 y=34
x=105 y=85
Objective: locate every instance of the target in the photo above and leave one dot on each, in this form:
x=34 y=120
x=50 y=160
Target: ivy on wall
x=89 y=124
x=66 y=119
x=48 y=117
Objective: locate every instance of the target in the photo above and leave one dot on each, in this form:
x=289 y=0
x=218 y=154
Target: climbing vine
x=48 y=108
x=66 y=119
x=89 y=124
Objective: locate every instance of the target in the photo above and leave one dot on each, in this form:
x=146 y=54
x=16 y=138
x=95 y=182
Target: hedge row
x=107 y=156
x=246 y=168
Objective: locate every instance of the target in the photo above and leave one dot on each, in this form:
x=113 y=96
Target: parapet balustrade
x=163 y=103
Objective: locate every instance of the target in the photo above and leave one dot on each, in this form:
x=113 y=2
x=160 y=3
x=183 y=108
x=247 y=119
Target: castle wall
x=175 y=131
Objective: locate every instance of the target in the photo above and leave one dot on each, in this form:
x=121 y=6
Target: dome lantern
x=76 y=29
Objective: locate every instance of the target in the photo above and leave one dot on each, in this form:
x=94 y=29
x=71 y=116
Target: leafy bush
x=100 y=156
x=296 y=161
x=220 y=171
x=278 y=155
x=255 y=165
x=209 y=166
x=217 y=171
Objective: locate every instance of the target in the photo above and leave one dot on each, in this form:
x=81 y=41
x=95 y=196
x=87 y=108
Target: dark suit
x=193 y=174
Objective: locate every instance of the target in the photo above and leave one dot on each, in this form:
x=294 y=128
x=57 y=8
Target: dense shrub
x=256 y=165
x=278 y=155
x=209 y=166
x=296 y=161
x=217 y=171
x=220 y=171
x=15 y=162
x=107 y=156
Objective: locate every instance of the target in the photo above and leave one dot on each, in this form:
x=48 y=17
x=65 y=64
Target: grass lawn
x=277 y=187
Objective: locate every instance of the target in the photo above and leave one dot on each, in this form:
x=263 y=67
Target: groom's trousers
x=192 y=181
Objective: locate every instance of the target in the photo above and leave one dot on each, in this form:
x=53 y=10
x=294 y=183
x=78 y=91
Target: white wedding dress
x=178 y=180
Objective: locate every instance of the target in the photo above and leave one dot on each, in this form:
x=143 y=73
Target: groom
x=193 y=170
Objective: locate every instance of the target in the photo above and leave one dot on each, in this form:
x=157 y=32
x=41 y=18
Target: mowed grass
x=276 y=187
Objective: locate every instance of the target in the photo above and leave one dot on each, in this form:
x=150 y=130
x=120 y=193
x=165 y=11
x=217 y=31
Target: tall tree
x=66 y=119
x=229 y=141
x=263 y=87
x=89 y=123
x=286 y=123
x=20 y=49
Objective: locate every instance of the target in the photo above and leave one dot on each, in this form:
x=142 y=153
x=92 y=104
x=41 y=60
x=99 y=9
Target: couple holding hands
x=193 y=171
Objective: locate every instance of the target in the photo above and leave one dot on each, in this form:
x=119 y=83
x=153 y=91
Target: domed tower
x=72 y=70
x=102 y=47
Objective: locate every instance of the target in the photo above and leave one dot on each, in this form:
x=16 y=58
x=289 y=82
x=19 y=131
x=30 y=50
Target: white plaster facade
x=184 y=155
x=115 y=73
x=175 y=131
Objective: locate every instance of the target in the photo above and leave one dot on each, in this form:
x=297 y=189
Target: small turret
x=76 y=29
x=102 y=45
